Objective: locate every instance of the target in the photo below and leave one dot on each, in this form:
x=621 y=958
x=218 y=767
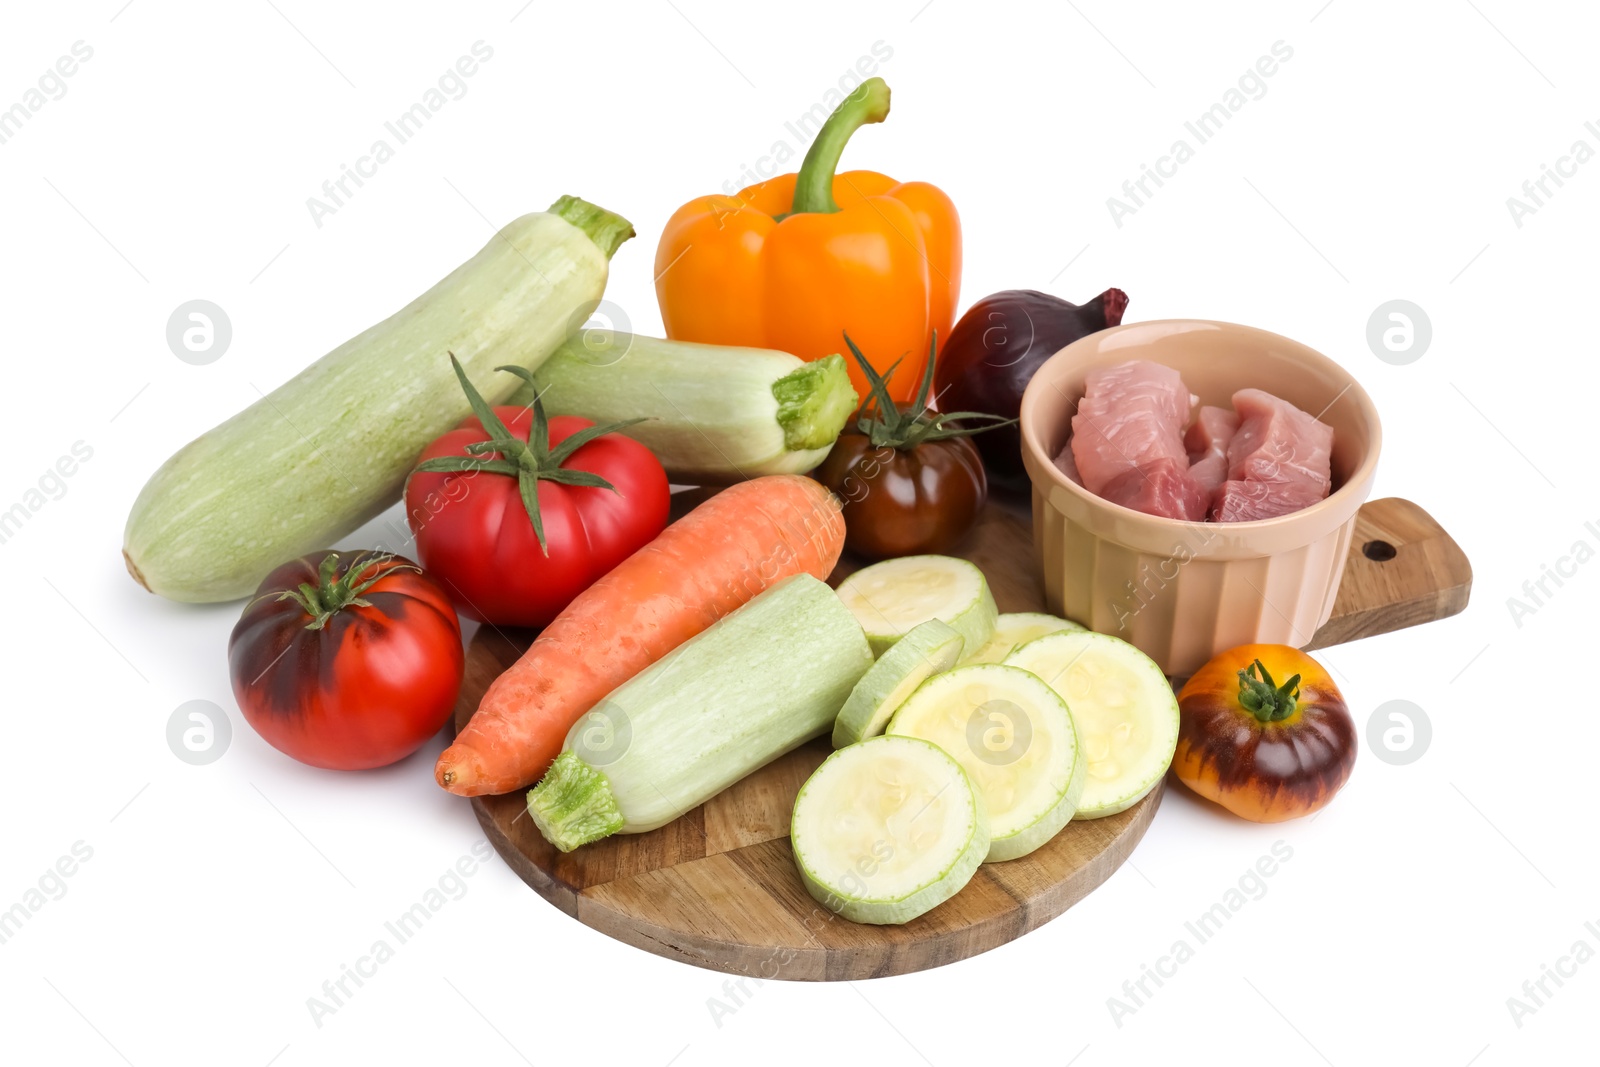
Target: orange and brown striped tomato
x=1264 y=732
x=347 y=660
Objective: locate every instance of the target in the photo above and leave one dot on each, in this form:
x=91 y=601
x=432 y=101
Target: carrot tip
x=458 y=771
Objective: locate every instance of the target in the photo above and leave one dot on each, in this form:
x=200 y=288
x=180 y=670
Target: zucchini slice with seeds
x=891 y=597
x=1015 y=629
x=887 y=830
x=1124 y=708
x=1015 y=739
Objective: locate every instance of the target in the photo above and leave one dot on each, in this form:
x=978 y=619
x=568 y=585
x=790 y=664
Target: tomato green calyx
x=1263 y=698
x=813 y=186
x=333 y=592
x=527 y=461
x=888 y=426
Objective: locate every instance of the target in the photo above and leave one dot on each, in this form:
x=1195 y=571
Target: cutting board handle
x=1403 y=570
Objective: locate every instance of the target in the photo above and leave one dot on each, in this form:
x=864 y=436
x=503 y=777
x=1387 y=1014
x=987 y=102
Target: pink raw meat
x=1238 y=501
x=1160 y=487
x=1278 y=462
x=1131 y=418
x=1207 y=443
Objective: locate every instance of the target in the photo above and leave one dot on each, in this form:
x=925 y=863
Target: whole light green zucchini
x=716 y=413
x=330 y=448
x=763 y=680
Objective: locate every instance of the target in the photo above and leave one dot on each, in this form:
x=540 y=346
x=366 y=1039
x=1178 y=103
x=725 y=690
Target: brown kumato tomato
x=911 y=481
x=905 y=502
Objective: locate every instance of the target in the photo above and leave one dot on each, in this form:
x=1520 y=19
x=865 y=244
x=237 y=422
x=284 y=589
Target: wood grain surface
x=1403 y=570
x=718 y=887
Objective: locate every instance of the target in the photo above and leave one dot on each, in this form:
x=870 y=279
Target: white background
x=1376 y=166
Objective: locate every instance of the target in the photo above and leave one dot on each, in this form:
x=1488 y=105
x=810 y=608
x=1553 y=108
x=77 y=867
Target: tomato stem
x=1263 y=698
x=882 y=420
x=334 y=591
x=527 y=461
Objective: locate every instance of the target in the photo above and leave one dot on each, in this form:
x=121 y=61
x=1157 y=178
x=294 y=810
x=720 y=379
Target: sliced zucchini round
x=927 y=650
x=1014 y=737
x=888 y=829
x=891 y=597
x=1123 y=706
x=1018 y=628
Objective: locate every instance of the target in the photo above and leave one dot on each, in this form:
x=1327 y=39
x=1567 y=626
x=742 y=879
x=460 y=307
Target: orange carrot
x=705 y=565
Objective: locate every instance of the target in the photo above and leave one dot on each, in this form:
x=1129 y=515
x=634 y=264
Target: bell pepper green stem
x=813 y=188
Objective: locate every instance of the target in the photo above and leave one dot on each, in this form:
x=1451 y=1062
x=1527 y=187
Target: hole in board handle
x=1379 y=551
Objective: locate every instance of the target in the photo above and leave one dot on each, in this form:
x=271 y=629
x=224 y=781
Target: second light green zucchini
x=716 y=414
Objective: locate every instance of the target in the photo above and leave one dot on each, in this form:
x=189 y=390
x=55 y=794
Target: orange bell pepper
x=794 y=262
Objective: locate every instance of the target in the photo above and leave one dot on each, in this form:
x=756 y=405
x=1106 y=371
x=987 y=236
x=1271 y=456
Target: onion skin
x=1264 y=771
x=993 y=352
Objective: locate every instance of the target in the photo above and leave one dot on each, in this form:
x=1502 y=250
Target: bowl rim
x=1359 y=480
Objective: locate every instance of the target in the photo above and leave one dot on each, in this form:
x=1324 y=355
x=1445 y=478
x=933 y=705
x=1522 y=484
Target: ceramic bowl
x=1183 y=591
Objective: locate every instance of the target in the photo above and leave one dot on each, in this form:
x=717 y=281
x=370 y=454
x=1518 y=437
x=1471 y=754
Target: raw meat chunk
x=1160 y=487
x=1137 y=383
x=1207 y=442
x=1239 y=501
x=1131 y=418
x=1263 y=459
x=1213 y=428
x=1277 y=442
x=1278 y=461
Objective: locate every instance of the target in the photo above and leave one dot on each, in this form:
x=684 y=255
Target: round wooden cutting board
x=718 y=887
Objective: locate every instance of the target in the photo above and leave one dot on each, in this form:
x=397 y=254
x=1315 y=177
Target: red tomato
x=474 y=532
x=347 y=662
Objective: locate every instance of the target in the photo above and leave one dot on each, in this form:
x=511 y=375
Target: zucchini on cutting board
x=331 y=448
x=758 y=683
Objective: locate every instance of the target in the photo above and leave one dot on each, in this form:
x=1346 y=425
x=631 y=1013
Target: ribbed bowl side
x=1179 y=609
